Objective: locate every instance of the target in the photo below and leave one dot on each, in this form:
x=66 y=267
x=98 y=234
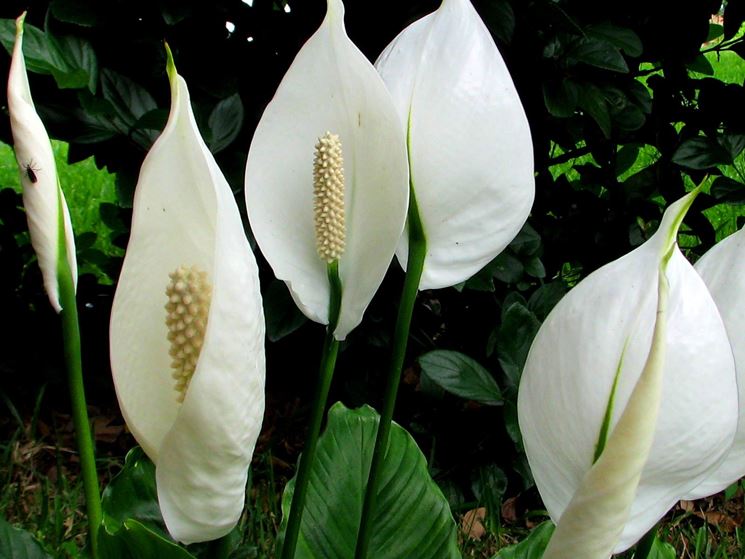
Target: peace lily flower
x=330 y=87
x=616 y=396
x=470 y=152
x=46 y=210
x=723 y=270
x=187 y=331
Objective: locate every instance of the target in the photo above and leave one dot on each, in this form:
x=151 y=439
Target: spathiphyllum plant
x=616 y=396
x=470 y=165
x=330 y=88
x=52 y=238
x=723 y=270
x=187 y=332
x=326 y=193
x=470 y=152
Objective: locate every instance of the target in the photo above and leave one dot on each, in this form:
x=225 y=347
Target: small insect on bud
x=31 y=172
x=328 y=191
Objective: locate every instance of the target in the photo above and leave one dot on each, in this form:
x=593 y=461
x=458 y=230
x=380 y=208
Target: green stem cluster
x=73 y=363
x=328 y=362
x=414 y=267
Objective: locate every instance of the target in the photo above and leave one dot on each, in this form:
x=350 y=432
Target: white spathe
x=330 y=87
x=602 y=330
x=185 y=215
x=42 y=196
x=470 y=151
x=723 y=270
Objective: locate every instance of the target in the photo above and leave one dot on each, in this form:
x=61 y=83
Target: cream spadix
x=328 y=191
x=187 y=332
x=723 y=270
x=584 y=394
x=330 y=86
x=470 y=152
x=46 y=210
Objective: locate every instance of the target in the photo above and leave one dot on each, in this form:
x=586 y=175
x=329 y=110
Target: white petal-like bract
x=723 y=270
x=42 y=197
x=470 y=151
x=330 y=87
x=185 y=215
x=586 y=361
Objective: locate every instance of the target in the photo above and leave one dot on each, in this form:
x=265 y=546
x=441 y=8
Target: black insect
x=31 y=172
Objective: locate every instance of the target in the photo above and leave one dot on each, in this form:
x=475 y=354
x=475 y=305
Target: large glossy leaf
x=459 y=374
x=519 y=327
x=19 y=544
x=132 y=494
x=134 y=540
x=412 y=518
x=701 y=153
x=225 y=122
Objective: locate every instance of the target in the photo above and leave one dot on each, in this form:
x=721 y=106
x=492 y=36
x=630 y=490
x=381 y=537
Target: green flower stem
x=73 y=362
x=644 y=546
x=328 y=362
x=414 y=267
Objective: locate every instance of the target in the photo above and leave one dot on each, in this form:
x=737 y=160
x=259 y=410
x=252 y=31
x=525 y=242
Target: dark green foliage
x=625 y=116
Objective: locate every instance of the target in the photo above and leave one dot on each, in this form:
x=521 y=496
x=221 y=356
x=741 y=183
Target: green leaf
x=506 y=268
x=599 y=53
x=76 y=65
x=733 y=143
x=132 y=494
x=77 y=12
x=592 y=102
x=35 y=47
x=225 y=122
x=129 y=102
x=620 y=37
x=489 y=485
x=626 y=156
x=527 y=242
x=531 y=547
x=715 y=31
x=728 y=190
x=701 y=65
x=460 y=375
x=282 y=314
x=534 y=268
x=136 y=541
x=413 y=518
x=560 y=97
x=19 y=544
x=545 y=297
x=701 y=153
x=511 y=424
x=500 y=18
x=661 y=550
x=519 y=327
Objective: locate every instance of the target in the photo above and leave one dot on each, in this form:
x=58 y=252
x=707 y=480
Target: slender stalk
x=414 y=267
x=73 y=363
x=328 y=362
x=645 y=544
